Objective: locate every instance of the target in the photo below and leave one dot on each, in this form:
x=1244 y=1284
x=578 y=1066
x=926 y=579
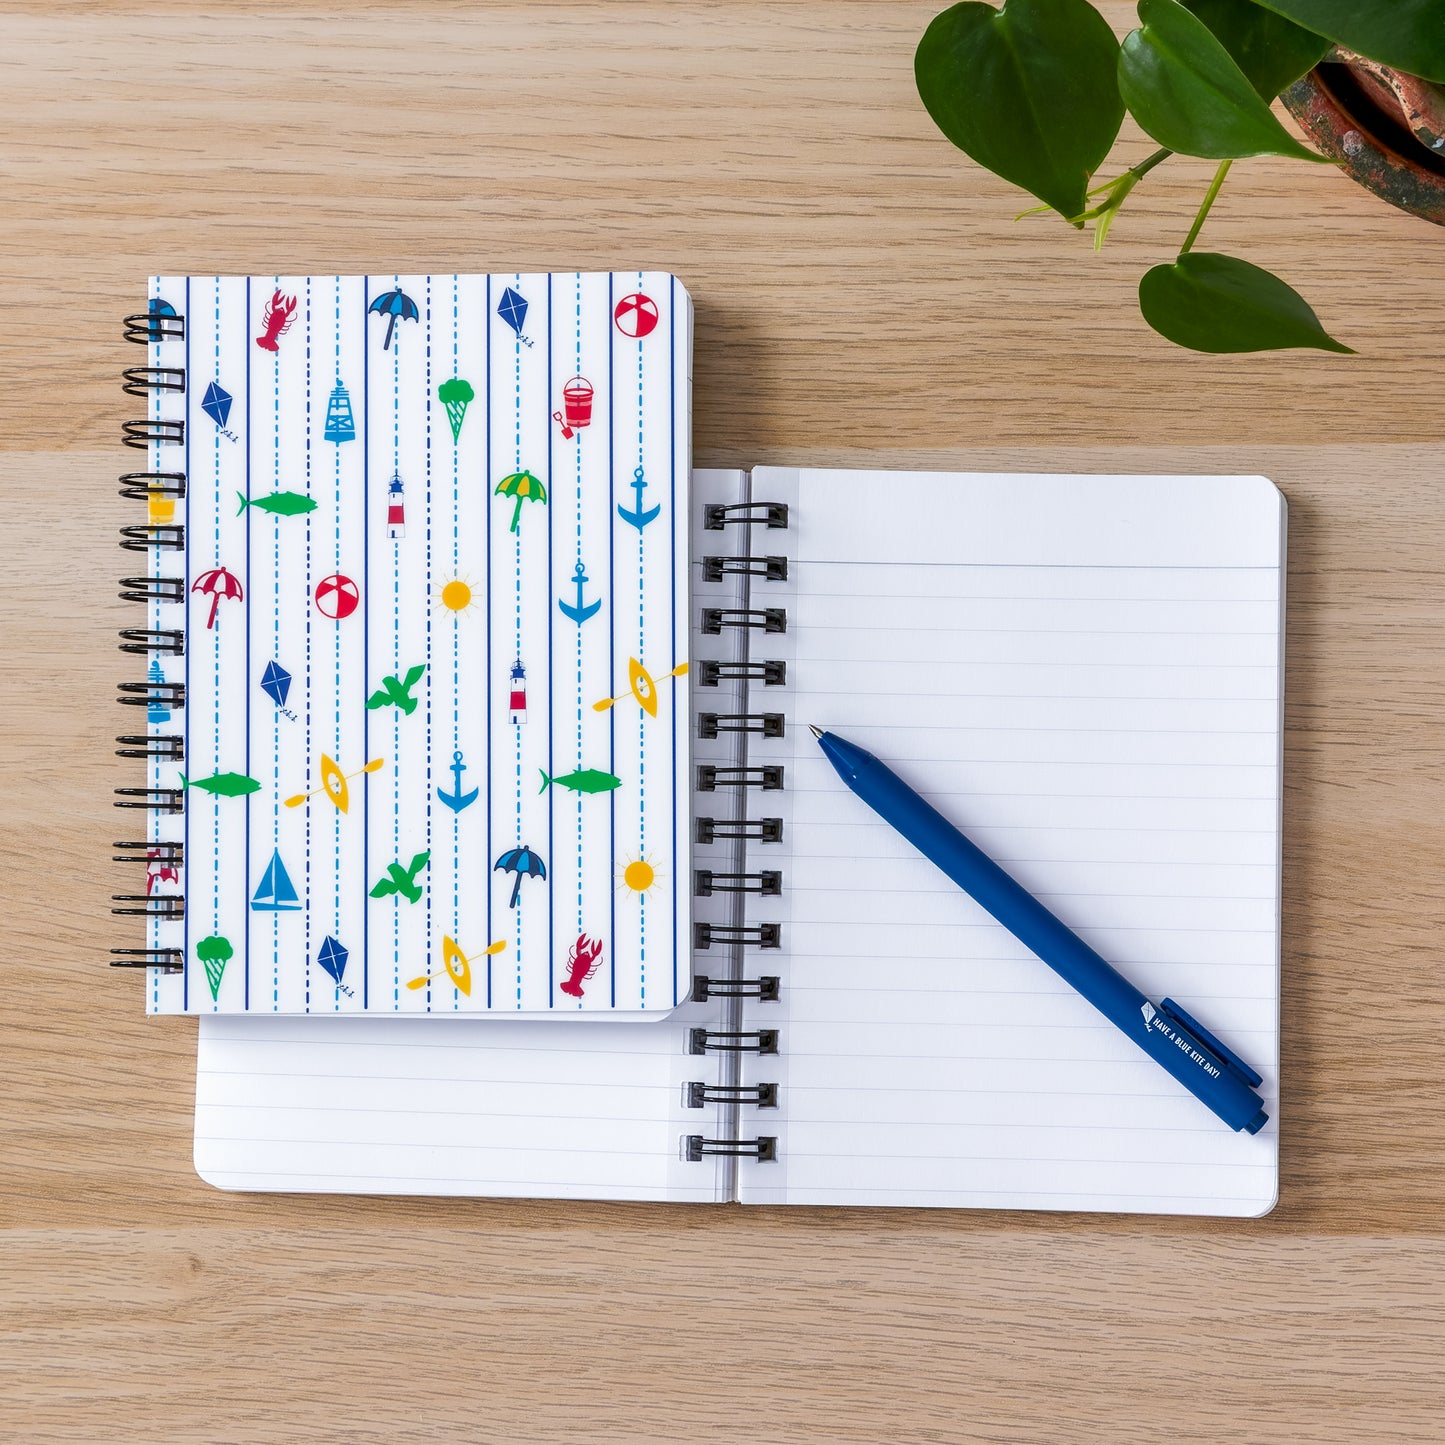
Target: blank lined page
x=566 y=1110
x=1083 y=673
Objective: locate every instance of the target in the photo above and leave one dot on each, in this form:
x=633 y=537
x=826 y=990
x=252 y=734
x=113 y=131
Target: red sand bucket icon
x=576 y=406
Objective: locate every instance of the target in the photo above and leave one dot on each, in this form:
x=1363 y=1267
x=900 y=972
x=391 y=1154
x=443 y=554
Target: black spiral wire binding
x=773 y=673
x=166 y=640
x=152 y=589
x=697 y=1095
x=733 y=1040
x=765 y=724
x=770 y=569
x=163 y=748
x=159 y=490
x=143 y=694
x=153 y=538
x=765 y=619
x=717 y=515
x=159 y=322
x=719 y=830
x=767 y=884
x=168 y=960
x=152 y=905
x=764 y=1148
x=712 y=776
x=154 y=800
x=171 y=854
x=145 y=431
x=143 y=380
x=142 y=486
x=767 y=988
x=757 y=935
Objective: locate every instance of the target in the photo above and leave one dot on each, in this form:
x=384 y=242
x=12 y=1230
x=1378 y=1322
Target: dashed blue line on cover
x=426 y=526
x=580 y=604
x=486 y=320
x=215 y=643
x=336 y=645
x=456 y=638
x=393 y=535
x=518 y=672
x=641 y=655
x=275 y=637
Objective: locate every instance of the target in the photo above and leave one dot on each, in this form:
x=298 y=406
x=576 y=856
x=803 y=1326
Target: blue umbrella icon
x=392 y=304
x=524 y=863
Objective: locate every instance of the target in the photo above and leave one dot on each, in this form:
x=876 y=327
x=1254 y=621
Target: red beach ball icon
x=337 y=596
x=635 y=315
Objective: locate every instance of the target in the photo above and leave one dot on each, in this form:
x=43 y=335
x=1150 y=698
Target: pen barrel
x=1164 y=1033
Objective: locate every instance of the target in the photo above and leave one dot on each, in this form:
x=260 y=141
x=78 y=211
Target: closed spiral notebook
x=1084 y=672
x=417 y=643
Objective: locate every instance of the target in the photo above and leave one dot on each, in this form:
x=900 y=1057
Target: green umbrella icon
x=525 y=488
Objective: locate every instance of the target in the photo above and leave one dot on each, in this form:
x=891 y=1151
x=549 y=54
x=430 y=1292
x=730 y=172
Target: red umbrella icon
x=218 y=583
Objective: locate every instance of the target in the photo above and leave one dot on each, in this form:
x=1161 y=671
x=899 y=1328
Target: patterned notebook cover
x=435 y=731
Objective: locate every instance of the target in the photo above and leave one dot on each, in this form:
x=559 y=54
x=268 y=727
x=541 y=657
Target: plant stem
x=1133 y=175
x=1115 y=193
x=1149 y=162
x=1205 y=205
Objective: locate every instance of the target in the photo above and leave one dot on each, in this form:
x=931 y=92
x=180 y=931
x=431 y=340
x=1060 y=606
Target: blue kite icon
x=512 y=308
x=217 y=404
x=332 y=957
x=276 y=683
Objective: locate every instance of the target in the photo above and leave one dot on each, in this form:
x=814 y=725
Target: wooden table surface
x=864 y=297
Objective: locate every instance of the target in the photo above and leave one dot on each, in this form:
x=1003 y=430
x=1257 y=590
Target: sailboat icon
x=275 y=893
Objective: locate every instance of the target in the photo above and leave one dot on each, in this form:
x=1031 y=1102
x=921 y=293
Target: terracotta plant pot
x=1386 y=128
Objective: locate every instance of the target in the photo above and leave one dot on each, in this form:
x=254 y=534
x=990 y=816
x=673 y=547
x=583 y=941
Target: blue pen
x=1219 y=1079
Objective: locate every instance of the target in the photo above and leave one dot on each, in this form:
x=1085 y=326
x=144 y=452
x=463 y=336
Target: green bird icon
x=399 y=693
x=403 y=880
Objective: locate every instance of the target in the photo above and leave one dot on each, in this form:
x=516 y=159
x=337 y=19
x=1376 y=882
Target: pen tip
x=816 y=730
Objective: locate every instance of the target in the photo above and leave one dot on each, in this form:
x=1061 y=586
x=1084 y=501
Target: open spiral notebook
x=1085 y=673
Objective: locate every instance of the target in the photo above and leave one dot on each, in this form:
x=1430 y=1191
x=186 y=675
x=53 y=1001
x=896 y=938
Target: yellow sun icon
x=456 y=595
x=639 y=876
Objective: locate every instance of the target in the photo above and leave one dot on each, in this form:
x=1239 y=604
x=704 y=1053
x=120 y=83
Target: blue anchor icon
x=583 y=610
x=637 y=516
x=458 y=800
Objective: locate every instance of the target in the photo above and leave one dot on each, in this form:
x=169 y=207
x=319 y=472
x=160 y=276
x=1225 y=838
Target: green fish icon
x=585 y=780
x=279 y=504
x=223 y=785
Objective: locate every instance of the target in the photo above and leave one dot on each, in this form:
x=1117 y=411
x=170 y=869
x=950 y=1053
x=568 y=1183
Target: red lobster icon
x=582 y=962
x=277 y=320
x=158 y=872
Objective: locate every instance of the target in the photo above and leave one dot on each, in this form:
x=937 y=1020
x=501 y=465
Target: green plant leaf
x=1181 y=85
x=1271 y=51
x=1215 y=303
x=1029 y=91
x=1407 y=34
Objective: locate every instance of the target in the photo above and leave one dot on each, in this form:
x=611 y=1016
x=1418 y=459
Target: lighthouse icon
x=395 y=508
x=518 y=705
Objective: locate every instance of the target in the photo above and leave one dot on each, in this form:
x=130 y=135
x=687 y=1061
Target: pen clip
x=1206 y=1040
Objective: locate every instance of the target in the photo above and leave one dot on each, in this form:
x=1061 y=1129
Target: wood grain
x=864 y=298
